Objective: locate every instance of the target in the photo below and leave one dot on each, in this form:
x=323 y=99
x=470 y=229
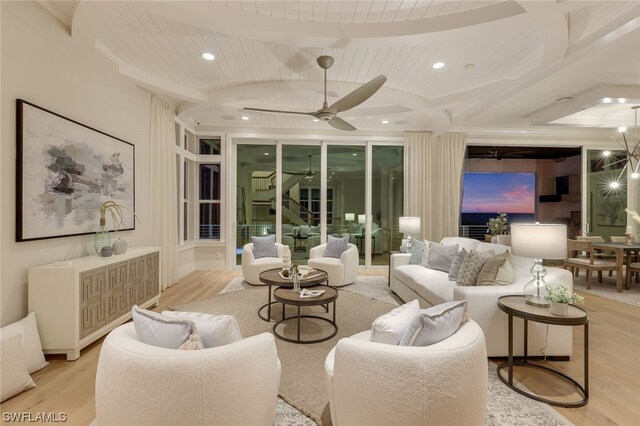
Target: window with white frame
x=209 y=207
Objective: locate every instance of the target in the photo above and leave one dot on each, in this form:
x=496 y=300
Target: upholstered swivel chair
x=341 y=271
x=252 y=267
x=140 y=384
x=379 y=384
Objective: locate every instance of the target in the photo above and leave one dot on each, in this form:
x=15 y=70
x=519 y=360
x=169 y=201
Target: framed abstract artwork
x=65 y=171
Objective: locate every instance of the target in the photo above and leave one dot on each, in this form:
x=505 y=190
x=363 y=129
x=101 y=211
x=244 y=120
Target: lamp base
x=537 y=301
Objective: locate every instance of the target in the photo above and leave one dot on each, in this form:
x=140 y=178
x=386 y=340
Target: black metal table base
x=298 y=317
x=579 y=388
x=268 y=319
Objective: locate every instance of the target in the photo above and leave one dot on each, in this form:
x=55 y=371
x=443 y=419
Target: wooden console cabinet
x=80 y=300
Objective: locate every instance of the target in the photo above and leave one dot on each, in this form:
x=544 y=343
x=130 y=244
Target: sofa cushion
x=496 y=248
x=472 y=266
x=487 y=275
x=456 y=264
x=417 y=250
x=435 y=324
x=304 y=230
x=336 y=246
x=264 y=247
x=425 y=253
x=506 y=273
x=429 y=284
x=389 y=328
x=440 y=257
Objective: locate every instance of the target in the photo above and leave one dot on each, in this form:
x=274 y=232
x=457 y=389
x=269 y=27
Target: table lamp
x=538 y=241
x=409 y=225
x=362 y=218
x=349 y=217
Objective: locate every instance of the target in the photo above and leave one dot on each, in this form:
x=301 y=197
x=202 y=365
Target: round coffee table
x=289 y=297
x=272 y=278
x=515 y=306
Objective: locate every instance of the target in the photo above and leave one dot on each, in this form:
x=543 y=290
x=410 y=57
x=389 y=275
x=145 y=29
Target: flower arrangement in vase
x=497 y=225
x=102 y=237
x=560 y=298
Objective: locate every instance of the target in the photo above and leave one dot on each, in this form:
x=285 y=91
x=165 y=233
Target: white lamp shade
x=362 y=218
x=349 y=216
x=409 y=224
x=539 y=241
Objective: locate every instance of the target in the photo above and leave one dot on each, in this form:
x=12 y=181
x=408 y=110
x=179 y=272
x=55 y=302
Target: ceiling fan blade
x=313 y=114
x=359 y=95
x=340 y=124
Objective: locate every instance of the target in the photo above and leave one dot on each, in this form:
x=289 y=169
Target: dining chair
x=599 y=253
x=590 y=261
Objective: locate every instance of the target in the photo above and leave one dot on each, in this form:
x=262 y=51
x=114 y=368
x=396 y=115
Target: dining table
x=624 y=252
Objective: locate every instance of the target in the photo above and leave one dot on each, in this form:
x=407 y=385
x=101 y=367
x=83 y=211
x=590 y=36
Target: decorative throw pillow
x=506 y=273
x=456 y=264
x=487 y=275
x=264 y=247
x=417 y=247
x=287 y=229
x=304 y=230
x=214 y=330
x=154 y=329
x=440 y=257
x=435 y=324
x=15 y=377
x=27 y=328
x=390 y=327
x=425 y=253
x=472 y=266
x=336 y=246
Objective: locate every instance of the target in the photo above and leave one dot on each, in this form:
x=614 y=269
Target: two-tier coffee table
x=287 y=296
x=272 y=278
x=515 y=306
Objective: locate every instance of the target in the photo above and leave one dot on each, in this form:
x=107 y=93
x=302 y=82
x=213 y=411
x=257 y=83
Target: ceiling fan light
x=622 y=129
x=635 y=175
x=208 y=56
x=385 y=121
x=438 y=65
x=614 y=185
x=606 y=153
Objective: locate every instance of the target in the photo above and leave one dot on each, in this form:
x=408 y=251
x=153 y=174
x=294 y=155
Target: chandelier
x=631 y=156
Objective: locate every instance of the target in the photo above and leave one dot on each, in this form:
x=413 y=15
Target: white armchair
x=378 y=384
x=252 y=267
x=140 y=384
x=341 y=271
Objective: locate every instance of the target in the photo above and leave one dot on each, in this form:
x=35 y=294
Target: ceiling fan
x=497 y=154
x=330 y=113
x=308 y=173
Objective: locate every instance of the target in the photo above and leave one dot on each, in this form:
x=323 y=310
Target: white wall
x=42 y=64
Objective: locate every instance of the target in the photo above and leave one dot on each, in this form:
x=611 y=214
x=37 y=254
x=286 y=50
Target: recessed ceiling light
x=622 y=100
x=606 y=153
x=208 y=56
x=385 y=121
x=244 y=117
x=354 y=154
x=614 y=184
x=606 y=100
x=622 y=129
x=438 y=65
x=470 y=66
x=316 y=119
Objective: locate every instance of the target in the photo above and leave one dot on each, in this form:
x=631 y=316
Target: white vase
x=559 y=309
x=120 y=246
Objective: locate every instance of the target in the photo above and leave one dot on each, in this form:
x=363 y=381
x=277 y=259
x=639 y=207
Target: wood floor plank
x=614 y=367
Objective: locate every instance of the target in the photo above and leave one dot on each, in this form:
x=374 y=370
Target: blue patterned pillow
x=264 y=247
x=336 y=246
x=416 y=252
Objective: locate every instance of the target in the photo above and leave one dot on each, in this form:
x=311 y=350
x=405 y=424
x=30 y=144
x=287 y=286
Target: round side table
x=515 y=306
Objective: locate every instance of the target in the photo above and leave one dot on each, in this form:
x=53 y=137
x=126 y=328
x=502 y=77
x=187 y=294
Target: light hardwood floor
x=614 y=367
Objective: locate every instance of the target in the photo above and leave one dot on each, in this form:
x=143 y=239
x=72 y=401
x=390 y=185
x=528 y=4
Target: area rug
x=302 y=383
x=607 y=288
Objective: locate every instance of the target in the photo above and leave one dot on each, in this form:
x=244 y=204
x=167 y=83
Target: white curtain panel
x=162 y=188
x=434 y=179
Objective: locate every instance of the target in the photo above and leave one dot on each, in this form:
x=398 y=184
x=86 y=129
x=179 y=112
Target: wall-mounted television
x=484 y=194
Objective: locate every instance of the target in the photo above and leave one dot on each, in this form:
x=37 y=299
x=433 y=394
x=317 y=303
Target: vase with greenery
x=559 y=298
x=102 y=237
x=498 y=225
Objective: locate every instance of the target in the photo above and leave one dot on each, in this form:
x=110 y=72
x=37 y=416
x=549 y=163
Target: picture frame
x=65 y=170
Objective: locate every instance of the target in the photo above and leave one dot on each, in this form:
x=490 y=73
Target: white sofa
x=433 y=287
x=341 y=271
x=140 y=384
x=378 y=384
x=252 y=267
